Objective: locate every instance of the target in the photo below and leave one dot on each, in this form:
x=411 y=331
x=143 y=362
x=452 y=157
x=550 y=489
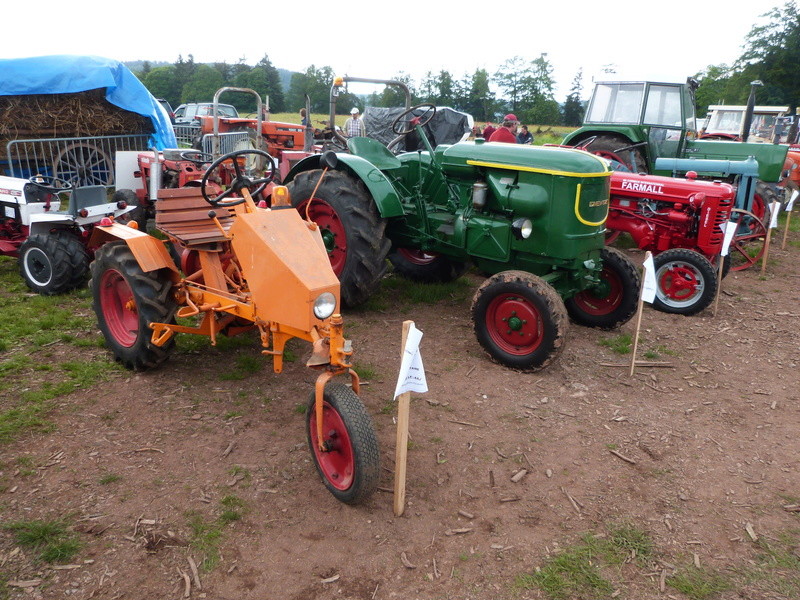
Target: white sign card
x=730 y=230
x=412 y=374
x=792 y=198
x=776 y=208
x=649 y=287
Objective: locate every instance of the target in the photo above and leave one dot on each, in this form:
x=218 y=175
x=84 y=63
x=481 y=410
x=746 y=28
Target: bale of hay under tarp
x=82 y=114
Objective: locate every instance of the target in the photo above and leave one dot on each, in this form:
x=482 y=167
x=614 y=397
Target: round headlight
x=324 y=305
x=522 y=228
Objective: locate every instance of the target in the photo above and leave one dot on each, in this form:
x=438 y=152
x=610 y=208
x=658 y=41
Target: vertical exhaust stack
x=751 y=105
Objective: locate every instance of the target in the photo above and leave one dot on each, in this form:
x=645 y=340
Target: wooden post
x=773 y=218
x=786 y=231
x=401 y=449
x=720 y=261
x=638 y=320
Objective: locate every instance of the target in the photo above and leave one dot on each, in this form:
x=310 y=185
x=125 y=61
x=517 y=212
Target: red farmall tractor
x=243 y=268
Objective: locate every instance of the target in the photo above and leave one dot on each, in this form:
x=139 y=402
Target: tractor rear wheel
x=53 y=262
x=126 y=300
x=350 y=468
x=519 y=320
x=351 y=227
x=686 y=282
x=425 y=267
x=763 y=198
x=613 y=149
x=614 y=301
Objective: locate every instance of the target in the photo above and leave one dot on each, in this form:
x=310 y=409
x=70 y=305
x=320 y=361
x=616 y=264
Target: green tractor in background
x=635 y=123
x=531 y=218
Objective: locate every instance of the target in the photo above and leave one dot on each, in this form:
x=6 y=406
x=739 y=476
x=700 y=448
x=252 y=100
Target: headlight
x=522 y=228
x=324 y=305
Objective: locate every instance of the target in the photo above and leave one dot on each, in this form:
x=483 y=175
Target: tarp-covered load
x=448 y=126
x=74 y=96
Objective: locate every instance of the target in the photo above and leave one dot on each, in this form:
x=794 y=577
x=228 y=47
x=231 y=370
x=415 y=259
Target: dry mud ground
x=701 y=456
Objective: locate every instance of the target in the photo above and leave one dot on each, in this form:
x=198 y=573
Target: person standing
x=354 y=126
x=506 y=133
x=524 y=136
x=488 y=131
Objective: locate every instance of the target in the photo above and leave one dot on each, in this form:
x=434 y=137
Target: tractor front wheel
x=614 y=301
x=126 y=300
x=350 y=464
x=686 y=282
x=520 y=320
x=424 y=267
x=351 y=227
x=53 y=262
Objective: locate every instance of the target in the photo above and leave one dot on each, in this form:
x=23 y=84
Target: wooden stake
x=786 y=230
x=401 y=449
x=638 y=321
x=776 y=206
x=720 y=260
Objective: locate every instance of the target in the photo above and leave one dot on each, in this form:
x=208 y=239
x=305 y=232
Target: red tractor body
x=661 y=213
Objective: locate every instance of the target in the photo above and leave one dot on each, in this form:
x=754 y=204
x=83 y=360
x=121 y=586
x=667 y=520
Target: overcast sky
x=661 y=41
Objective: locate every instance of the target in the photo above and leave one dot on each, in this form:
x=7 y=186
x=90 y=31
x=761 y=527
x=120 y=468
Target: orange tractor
x=243 y=267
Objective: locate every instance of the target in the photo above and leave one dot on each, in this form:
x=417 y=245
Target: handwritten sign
x=412 y=375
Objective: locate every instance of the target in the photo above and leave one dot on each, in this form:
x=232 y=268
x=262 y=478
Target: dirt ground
x=701 y=454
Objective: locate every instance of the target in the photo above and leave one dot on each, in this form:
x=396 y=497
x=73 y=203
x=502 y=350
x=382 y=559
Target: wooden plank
x=401 y=446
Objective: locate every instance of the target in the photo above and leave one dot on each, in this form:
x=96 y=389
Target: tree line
x=520 y=85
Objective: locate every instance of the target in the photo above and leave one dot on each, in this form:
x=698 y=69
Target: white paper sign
x=649 y=287
x=412 y=374
x=790 y=204
x=730 y=230
x=776 y=208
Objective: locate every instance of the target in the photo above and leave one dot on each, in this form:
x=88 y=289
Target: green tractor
x=531 y=218
x=635 y=123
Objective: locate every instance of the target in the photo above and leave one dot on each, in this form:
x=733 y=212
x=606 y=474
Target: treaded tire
x=126 y=300
x=618 y=299
x=607 y=145
x=519 y=320
x=763 y=198
x=53 y=262
x=352 y=228
x=351 y=470
x=686 y=282
x=419 y=266
x=139 y=214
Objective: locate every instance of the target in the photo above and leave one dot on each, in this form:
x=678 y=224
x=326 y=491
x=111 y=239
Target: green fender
x=634 y=134
x=379 y=186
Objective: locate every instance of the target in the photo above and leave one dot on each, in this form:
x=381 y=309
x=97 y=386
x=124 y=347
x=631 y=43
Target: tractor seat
x=183 y=214
x=373 y=151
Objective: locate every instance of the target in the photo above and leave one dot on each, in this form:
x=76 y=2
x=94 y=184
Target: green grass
x=51 y=540
x=109 y=478
x=397 y=292
x=206 y=536
x=576 y=571
x=699 y=584
x=621 y=344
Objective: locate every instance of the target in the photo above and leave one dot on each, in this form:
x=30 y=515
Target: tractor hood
x=552 y=160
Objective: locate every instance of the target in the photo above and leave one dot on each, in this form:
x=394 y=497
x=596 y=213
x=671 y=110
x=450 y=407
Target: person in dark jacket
x=524 y=136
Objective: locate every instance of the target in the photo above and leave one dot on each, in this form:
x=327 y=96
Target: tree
x=509 y=78
x=316 y=82
x=573 y=106
x=265 y=80
x=480 y=100
x=163 y=83
x=202 y=85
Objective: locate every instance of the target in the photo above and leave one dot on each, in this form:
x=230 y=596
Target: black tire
x=53 y=262
x=607 y=146
x=352 y=468
x=615 y=301
x=686 y=282
x=763 y=198
x=345 y=211
x=423 y=267
x=519 y=320
x=126 y=300
x=139 y=214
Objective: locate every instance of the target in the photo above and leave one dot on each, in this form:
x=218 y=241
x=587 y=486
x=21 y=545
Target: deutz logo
x=638 y=186
x=598 y=203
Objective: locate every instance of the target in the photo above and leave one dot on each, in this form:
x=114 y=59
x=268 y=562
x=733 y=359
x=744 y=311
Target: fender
x=150 y=253
x=587 y=131
x=378 y=185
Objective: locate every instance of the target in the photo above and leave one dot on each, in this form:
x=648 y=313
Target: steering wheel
x=51 y=184
x=421 y=120
x=196 y=157
x=240 y=180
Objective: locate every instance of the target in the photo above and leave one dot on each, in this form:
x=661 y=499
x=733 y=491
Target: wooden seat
x=183 y=214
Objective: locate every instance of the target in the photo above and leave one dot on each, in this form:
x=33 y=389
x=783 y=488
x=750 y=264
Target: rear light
x=105 y=222
x=83 y=213
x=122 y=204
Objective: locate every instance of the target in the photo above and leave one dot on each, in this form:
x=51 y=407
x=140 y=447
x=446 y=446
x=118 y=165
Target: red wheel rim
x=612 y=235
x=119 y=308
x=678 y=282
x=331 y=228
x=514 y=324
x=759 y=206
x=615 y=158
x=602 y=299
x=338 y=463
x=417 y=257
x=750 y=233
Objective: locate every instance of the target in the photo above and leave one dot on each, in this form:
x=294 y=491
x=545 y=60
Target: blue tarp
x=65 y=74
